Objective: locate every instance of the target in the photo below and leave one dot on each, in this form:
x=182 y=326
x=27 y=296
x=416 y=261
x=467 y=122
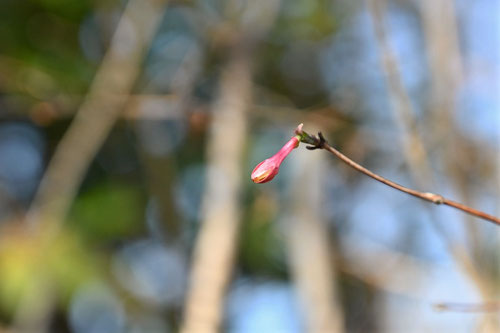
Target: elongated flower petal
x=267 y=169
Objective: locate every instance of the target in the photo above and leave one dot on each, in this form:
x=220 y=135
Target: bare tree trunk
x=310 y=253
x=215 y=247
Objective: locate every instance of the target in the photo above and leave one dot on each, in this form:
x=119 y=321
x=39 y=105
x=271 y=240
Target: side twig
x=319 y=142
x=468 y=307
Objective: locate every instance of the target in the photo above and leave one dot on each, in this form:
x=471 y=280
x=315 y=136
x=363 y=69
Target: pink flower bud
x=267 y=169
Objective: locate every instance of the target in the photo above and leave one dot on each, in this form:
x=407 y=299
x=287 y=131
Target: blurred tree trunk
x=221 y=208
x=215 y=247
x=102 y=106
x=310 y=253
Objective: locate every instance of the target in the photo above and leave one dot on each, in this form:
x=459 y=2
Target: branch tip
x=299 y=131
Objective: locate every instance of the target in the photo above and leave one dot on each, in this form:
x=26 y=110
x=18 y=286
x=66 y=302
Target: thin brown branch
x=320 y=143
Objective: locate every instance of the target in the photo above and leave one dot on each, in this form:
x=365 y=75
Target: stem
x=320 y=143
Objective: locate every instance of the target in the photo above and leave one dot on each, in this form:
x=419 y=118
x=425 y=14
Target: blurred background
x=128 y=131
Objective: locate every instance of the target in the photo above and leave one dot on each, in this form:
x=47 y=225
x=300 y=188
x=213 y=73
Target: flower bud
x=267 y=169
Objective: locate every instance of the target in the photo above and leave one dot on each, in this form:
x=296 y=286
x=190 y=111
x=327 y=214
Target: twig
x=468 y=307
x=319 y=142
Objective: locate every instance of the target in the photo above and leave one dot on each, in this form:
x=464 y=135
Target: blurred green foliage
x=108 y=212
x=40 y=47
x=30 y=261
